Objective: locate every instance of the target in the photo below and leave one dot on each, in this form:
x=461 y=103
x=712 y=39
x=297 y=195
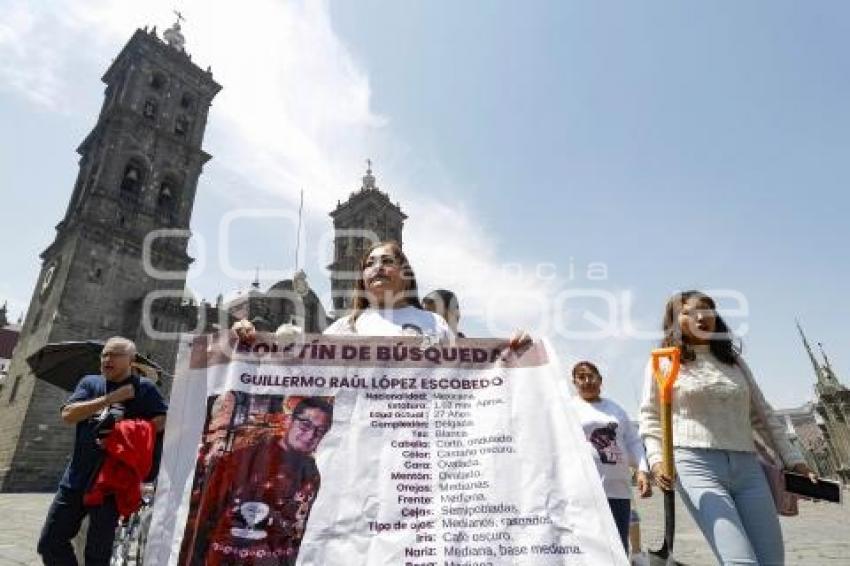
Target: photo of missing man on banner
x=255 y=479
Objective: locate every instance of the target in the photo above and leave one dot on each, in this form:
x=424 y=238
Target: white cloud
x=452 y=250
x=294 y=113
x=29 y=61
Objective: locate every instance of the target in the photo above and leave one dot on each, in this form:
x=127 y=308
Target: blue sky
x=680 y=145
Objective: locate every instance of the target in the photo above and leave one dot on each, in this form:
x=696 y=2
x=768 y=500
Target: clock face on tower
x=49 y=276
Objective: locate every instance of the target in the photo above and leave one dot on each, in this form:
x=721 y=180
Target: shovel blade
x=664 y=555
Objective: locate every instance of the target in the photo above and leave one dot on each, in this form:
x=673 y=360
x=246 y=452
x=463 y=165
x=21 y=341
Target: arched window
x=187 y=101
x=166 y=199
x=96 y=274
x=157 y=81
x=181 y=125
x=149 y=111
x=132 y=179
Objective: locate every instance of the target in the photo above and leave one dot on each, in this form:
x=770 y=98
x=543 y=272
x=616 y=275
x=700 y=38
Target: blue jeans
x=729 y=498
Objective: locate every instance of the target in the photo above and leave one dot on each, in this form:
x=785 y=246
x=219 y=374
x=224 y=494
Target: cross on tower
x=179 y=16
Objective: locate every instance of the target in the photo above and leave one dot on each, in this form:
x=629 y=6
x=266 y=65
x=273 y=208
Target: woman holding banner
x=614 y=443
x=386 y=300
x=386 y=303
x=716 y=414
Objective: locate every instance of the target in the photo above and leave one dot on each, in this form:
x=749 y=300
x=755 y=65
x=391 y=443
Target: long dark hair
x=411 y=293
x=720 y=343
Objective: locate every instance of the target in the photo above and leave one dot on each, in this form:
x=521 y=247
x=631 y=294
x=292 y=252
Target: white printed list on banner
x=332 y=451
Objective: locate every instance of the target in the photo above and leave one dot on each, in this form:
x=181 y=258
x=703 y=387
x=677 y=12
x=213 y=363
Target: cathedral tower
x=138 y=172
x=833 y=410
x=367 y=217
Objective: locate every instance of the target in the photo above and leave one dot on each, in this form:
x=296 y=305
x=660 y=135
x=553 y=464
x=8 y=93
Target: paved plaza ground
x=820 y=536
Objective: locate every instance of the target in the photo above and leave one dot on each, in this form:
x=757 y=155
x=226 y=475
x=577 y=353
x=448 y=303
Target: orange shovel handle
x=665 y=387
x=665 y=382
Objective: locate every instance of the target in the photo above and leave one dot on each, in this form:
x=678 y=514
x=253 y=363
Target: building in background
x=367 y=217
x=139 y=170
x=822 y=428
x=9 y=334
x=805 y=429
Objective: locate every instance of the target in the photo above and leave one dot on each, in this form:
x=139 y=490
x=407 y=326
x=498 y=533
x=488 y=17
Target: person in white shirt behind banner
x=614 y=443
x=444 y=303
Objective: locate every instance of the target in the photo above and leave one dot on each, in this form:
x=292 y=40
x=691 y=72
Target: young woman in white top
x=614 y=443
x=386 y=303
x=386 y=300
x=716 y=412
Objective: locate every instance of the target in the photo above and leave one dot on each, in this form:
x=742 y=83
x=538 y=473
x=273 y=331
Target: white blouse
x=713 y=407
x=405 y=321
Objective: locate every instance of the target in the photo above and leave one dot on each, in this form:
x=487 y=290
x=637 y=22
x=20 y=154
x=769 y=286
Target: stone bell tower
x=367 y=217
x=138 y=172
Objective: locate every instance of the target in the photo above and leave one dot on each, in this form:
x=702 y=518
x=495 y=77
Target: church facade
x=9 y=334
x=821 y=428
x=824 y=429
x=138 y=173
